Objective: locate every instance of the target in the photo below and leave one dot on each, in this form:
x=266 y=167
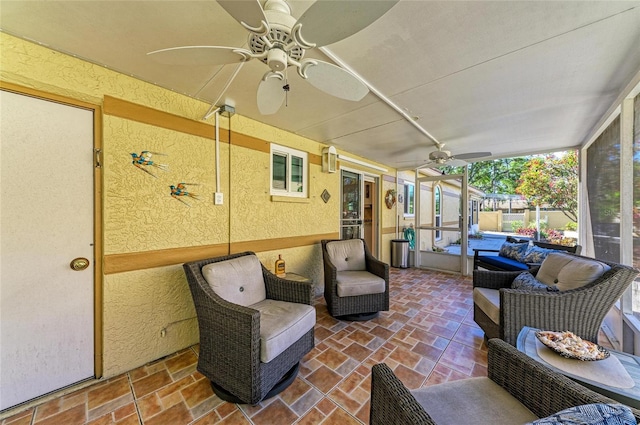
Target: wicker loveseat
x=254 y=326
x=502 y=311
x=485 y=258
x=518 y=389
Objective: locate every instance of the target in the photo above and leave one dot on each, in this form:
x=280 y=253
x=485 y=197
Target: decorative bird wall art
x=144 y=162
x=179 y=192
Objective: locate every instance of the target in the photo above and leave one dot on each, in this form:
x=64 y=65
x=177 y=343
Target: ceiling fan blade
x=333 y=80
x=270 y=94
x=249 y=13
x=472 y=155
x=455 y=163
x=200 y=55
x=328 y=21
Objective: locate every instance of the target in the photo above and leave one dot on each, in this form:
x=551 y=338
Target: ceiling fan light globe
x=277 y=59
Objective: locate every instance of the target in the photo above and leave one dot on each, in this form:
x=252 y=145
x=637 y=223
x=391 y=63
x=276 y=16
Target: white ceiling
x=509 y=77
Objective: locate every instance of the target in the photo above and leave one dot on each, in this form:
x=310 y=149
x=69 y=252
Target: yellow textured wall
x=40 y=68
x=140 y=215
x=138 y=306
x=388 y=218
x=405 y=177
x=255 y=216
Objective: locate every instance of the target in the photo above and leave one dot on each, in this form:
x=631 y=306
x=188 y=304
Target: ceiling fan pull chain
x=286 y=89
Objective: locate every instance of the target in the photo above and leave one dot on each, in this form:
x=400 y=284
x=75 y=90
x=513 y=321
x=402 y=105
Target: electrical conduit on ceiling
x=380 y=96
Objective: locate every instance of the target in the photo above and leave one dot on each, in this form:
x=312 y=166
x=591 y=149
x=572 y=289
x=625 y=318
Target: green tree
x=552 y=180
x=497 y=176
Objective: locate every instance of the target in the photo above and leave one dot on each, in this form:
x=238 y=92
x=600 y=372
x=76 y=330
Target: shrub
x=572 y=226
x=550 y=235
x=553 y=236
x=527 y=231
x=517 y=225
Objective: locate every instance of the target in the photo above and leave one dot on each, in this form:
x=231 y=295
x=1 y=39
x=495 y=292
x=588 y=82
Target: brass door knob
x=79 y=264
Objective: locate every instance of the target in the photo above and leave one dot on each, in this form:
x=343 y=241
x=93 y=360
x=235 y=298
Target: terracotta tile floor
x=427 y=337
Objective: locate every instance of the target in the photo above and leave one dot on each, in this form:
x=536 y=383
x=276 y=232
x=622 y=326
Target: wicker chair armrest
x=226 y=314
x=330 y=271
x=377 y=267
x=493 y=279
x=292 y=291
x=540 y=389
x=391 y=401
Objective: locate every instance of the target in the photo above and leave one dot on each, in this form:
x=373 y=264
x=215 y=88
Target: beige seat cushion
x=488 y=300
x=474 y=401
x=567 y=271
x=347 y=254
x=238 y=280
x=353 y=283
x=281 y=324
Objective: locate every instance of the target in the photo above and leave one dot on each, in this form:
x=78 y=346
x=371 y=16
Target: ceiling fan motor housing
x=439 y=156
x=278 y=13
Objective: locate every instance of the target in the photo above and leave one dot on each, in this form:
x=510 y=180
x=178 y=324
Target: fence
x=508 y=219
x=497 y=221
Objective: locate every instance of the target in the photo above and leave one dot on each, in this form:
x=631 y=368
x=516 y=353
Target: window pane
x=279 y=171
x=636 y=205
x=438 y=213
x=408 y=199
x=296 y=174
x=603 y=187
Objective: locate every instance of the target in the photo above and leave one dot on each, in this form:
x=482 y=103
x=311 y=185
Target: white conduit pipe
x=229 y=81
x=382 y=97
x=218 y=150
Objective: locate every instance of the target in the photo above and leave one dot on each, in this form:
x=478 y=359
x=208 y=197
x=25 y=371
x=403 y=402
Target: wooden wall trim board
x=27 y=91
x=388 y=178
x=314 y=159
x=119 y=263
x=388 y=230
x=280 y=243
x=144 y=114
x=245 y=141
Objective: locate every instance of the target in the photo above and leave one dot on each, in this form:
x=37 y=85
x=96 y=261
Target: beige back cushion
x=238 y=280
x=569 y=272
x=347 y=255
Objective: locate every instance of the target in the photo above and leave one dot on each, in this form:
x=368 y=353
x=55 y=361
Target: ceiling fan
x=441 y=157
x=280 y=41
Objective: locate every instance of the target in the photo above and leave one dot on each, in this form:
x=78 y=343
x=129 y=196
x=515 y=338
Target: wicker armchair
x=580 y=310
x=356 y=307
x=230 y=333
x=542 y=391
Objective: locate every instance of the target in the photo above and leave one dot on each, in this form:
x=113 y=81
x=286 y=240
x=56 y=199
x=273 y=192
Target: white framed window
x=409 y=197
x=288 y=172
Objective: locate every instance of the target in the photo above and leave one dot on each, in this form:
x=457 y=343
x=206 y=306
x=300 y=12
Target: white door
x=46 y=221
x=427 y=234
x=351 y=223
